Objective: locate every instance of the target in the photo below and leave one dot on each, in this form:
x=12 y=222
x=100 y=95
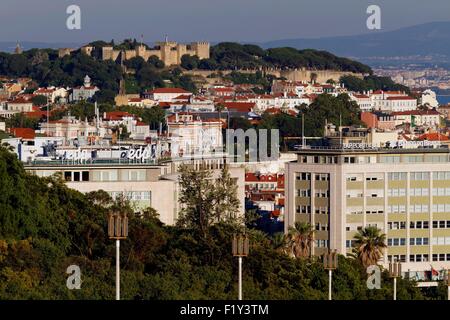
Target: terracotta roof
x=24 y=133
x=401 y=98
x=240 y=106
x=20 y=100
x=183 y=97
x=415 y=113
x=116 y=115
x=433 y=137
x=169 y=90
x=36 y=114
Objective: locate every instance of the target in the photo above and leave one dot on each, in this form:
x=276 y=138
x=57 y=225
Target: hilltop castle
x=169 y=52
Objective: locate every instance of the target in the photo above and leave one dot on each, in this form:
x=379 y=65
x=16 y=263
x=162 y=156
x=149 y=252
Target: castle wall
x=169 y=52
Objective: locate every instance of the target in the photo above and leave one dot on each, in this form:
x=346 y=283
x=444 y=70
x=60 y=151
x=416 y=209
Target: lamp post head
x=330 y=260
x=240 y=245
x=395 y=269
x=117 y=225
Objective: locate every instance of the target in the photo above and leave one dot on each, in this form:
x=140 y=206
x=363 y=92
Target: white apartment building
x=428 y=118
x=190 y=135
x=85 y=92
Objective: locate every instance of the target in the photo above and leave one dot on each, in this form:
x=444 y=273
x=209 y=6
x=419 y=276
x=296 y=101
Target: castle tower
x=201 y=49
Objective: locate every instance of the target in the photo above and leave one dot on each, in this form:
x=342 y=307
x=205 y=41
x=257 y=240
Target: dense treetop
x=372 y=82
x=231 y=56
x=45 y=227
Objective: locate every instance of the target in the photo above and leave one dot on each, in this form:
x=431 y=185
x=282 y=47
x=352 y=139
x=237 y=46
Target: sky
x=207 y=20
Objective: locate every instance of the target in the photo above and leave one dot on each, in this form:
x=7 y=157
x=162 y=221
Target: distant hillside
x=431 y=38
x=9 y=46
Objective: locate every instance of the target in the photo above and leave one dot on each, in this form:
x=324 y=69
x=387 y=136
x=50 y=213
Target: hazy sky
x=212 y=20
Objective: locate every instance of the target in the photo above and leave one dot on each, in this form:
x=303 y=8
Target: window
x=396 y=241
x=85 y=175
x=303 y=209
x=304 y=193
x=304 y=176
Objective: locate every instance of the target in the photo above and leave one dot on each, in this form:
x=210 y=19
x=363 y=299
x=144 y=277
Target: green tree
x=206 y=200
x=189 y=62
x=39 y=100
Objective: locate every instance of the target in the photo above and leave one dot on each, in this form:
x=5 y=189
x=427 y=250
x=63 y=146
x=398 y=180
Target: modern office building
x=143 y=184
x=404 y=191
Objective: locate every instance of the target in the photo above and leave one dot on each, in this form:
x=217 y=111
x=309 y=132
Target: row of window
x=394 y=242
x=113 y=175
x=393 y=176
x=401 y=192
x=306 y=176
x=441 y=191
x=321 y=243
x=355 y=178
x=317 y=210
x=321 y=226
x=440 y=241
x=419 y=257
x=397 y=225
x=401 y=208
x=322 y=193
x=132 y=195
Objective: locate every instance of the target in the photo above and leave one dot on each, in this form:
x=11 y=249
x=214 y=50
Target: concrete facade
x=405 y=193
x=169 y=52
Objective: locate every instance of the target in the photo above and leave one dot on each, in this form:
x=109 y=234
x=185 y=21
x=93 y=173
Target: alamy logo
x=374 y=20
x=256 y=149
x=74 y=280
x=374 y=278
x=73 y=22
x=240 y=146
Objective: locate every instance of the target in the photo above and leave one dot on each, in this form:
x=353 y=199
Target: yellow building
x=403 y=192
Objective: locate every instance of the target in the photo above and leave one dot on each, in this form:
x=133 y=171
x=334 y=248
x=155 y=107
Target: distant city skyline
x=209 y=20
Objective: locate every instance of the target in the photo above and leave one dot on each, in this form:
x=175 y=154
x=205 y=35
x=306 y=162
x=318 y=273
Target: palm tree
x=300 y=238
x=279 y=243
x=369 y=244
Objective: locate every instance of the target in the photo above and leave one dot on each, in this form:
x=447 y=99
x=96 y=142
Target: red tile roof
x=169 y=90
x=240 y=106
x=117 y=115
x=416 y=113
x=24 y=133
x=401 y=98
x=433 y=137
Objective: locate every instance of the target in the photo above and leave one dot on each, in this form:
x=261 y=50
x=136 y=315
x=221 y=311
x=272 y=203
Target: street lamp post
x=240 y=248
x=395 y=271
x=330 y=263
x=117 y=230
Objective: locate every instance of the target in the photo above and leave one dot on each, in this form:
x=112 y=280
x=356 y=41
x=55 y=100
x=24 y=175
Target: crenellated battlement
x=170 y=52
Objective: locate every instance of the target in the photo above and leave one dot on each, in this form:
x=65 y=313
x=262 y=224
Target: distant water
x=443 y=99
